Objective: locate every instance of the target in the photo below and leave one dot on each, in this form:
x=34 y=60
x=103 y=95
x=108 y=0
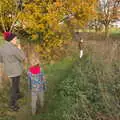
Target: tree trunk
x=106 y=31
x=96 y=28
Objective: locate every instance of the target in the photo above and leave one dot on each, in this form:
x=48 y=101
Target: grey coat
x=12 y=58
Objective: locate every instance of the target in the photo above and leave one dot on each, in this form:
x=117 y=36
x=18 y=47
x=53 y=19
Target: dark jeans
x=15 y=90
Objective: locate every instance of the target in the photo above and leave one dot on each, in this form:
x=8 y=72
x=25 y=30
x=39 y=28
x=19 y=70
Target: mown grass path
x=54 y=73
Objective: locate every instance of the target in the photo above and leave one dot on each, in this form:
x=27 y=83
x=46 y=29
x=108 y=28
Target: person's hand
x=19 y=46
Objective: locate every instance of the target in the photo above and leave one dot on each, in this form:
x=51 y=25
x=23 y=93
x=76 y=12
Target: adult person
x=12 y=57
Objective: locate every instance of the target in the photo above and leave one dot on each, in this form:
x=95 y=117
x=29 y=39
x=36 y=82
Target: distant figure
x=80 y=45
x=37 y=83
x=12 y=57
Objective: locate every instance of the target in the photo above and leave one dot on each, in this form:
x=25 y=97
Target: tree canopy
x=41 y=19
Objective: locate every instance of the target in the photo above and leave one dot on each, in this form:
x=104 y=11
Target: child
x=37 y=83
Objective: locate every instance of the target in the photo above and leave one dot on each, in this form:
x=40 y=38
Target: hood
x=35 y=69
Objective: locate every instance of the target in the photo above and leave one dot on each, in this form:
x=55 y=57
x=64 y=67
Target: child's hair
x=34 y=60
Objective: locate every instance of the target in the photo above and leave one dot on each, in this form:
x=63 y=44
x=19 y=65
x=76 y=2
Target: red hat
x=8 y=36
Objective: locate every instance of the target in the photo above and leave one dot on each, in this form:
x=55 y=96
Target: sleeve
x=1 y=59
x=43 y=75
x=19 y=54
x=44 y=80
x=29 y=80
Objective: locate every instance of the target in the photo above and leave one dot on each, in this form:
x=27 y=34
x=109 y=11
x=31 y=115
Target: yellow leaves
x=34 y=36
x=58 y=4
x=42 y=16
x=48 y=50
x=38 y=48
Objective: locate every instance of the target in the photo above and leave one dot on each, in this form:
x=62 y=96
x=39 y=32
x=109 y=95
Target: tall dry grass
x=107 y=54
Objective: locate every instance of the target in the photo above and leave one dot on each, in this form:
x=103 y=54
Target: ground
x=77 y=89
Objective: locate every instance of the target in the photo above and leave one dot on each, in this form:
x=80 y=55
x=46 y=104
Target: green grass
x=5 y=112
x=1 y=40
x=77 y=92
x=55 y=74
x=86 y=89
x=115 y=30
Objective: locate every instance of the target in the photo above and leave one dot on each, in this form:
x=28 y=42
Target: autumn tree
x=83 y=11
x=95 y=25
x=41 y=20
x=10 y=11
x=108 y=12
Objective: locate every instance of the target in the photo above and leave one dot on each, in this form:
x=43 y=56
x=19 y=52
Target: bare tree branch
x=12 y=26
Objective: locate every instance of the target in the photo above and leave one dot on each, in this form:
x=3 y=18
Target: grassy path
x=55 y=73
